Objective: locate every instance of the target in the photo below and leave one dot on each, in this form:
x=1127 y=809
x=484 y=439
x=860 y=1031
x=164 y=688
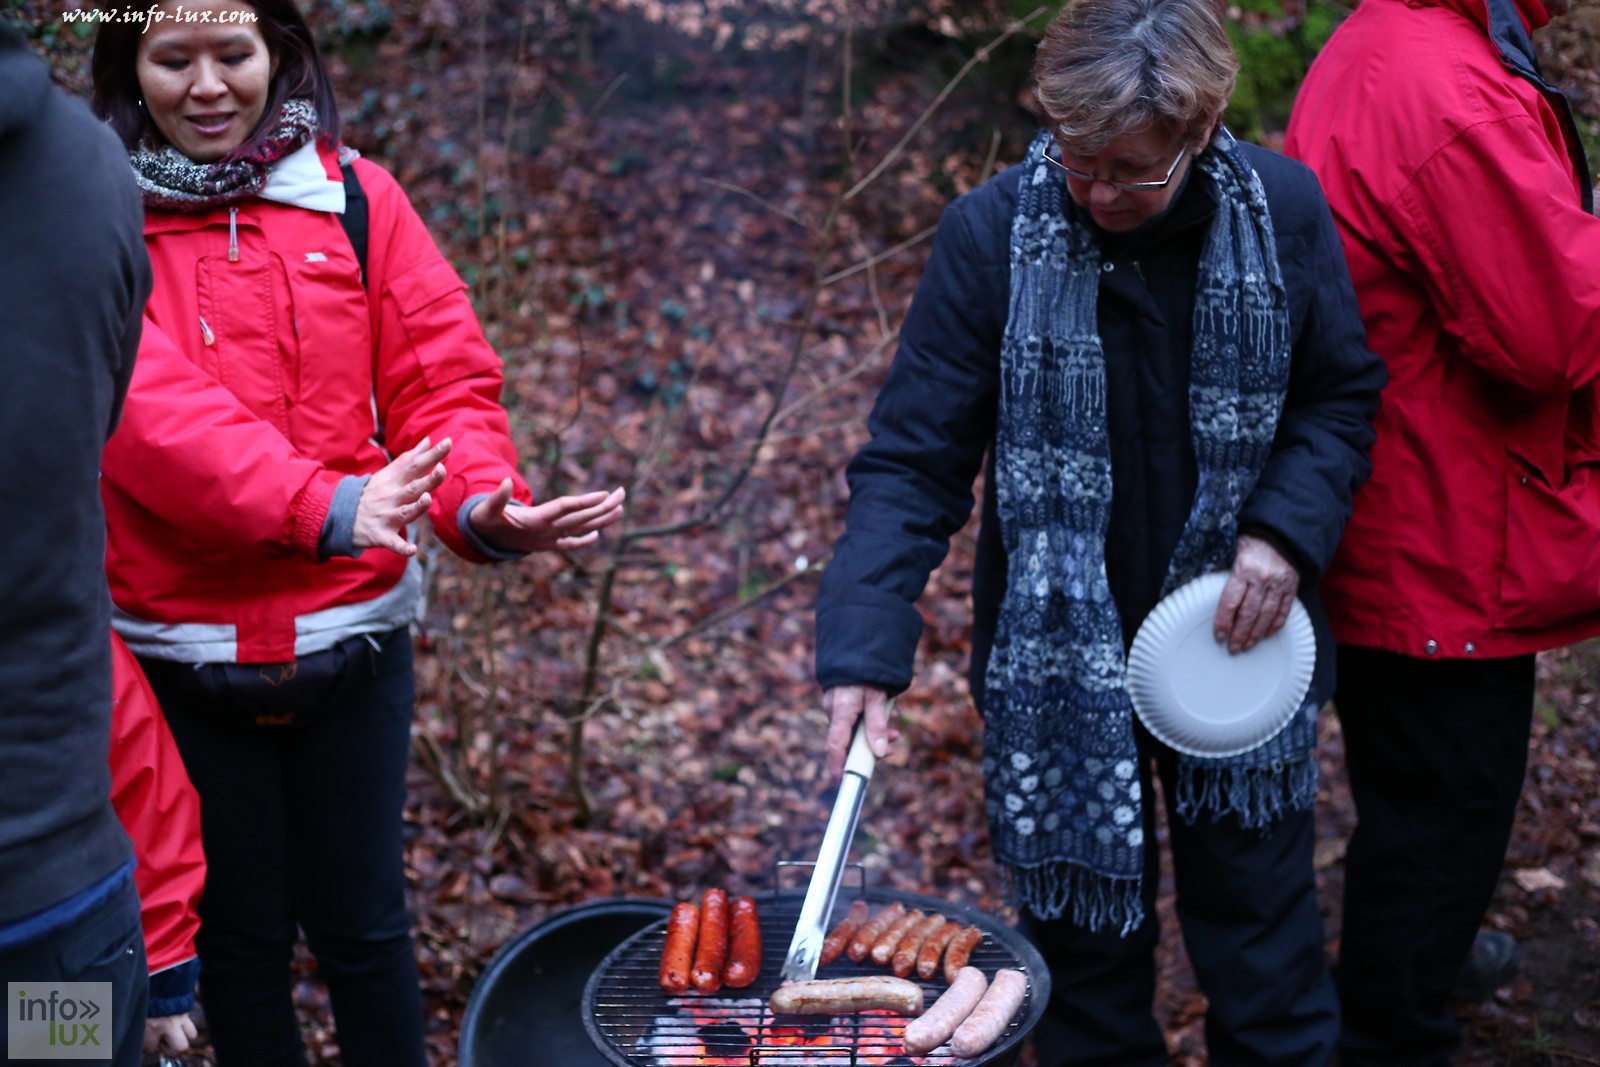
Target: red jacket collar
x=1534 y=15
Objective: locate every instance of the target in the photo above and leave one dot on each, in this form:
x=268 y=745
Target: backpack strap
x=354 y=219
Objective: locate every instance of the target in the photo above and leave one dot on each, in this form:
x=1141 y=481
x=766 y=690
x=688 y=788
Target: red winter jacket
x=267 y=374
x=161 y=813
x=1478 y=273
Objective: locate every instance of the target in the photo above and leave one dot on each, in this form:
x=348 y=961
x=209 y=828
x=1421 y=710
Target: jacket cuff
x=476 y=542
x=1300 y=560
x=310 y=512
x=339 y=528
x=874 y=644
x=172 y=989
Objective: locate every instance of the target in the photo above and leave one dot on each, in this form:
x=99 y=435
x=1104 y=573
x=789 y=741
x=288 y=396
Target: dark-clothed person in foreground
x=312 y=381
x=1149 y=329
x=1458 y=182
x=73 y=280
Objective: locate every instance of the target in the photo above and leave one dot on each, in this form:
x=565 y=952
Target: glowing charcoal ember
x=708 y=1034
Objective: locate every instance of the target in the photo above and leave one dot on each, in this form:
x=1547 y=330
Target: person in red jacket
x=161 y=813
x=306 y=389
x=1460 y=189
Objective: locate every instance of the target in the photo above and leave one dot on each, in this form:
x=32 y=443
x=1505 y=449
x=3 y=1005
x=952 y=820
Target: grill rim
x=1028 y=960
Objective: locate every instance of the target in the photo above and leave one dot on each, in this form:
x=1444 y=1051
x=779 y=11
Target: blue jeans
x=301 y=788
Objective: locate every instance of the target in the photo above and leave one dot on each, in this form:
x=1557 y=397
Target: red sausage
x=872 y=929
x=889 y=940
x=905 y=956
x=744 y=955
x=711 y=952
x=959 y=951
x=932 y=949
x=683 y=925
x=838 y=939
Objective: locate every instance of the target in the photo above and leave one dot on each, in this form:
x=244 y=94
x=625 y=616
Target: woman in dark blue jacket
x=1150 y=330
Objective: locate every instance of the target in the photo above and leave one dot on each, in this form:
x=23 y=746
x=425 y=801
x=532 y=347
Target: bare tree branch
x=981 y=56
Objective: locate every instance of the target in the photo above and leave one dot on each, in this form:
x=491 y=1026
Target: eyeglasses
x=1131 y=187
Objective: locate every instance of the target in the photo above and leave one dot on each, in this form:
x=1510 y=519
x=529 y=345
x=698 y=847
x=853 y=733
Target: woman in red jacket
x=297 y=400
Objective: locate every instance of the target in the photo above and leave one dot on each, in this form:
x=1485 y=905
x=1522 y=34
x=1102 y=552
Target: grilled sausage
x=872 y=929
x=711 y=951
x=835 y=996
x=959 y=951
x=933 y=1027
x=677 y=954
x=905 y=955
x=744 y=950
x=889 y=940
x=932 y=949
x=993 y=1013
x=838 y=939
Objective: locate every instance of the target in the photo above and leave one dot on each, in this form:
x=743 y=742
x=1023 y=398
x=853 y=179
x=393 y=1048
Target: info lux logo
x=58 y=1020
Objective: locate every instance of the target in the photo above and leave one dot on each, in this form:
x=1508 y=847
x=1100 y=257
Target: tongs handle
x=860 y=760
x=801 y=962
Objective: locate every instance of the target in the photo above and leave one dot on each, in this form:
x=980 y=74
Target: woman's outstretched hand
x=563 y=523
x=399 y=495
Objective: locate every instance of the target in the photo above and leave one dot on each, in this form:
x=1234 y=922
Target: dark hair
x=114 y=70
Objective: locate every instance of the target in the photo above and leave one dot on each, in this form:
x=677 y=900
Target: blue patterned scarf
x=1060 y=763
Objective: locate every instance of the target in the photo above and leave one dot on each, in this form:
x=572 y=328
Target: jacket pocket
x=1552 y=544
x=440 y=325
x=237 y=302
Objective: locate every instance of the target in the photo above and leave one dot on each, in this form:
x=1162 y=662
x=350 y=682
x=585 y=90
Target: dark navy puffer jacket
x=911 y=485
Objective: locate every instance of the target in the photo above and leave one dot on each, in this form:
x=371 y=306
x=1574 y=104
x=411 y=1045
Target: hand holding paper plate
x=1199 y=699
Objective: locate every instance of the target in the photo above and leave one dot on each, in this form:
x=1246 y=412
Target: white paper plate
x=1197 y=698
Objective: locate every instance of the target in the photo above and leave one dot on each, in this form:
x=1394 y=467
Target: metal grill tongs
x=810 y=930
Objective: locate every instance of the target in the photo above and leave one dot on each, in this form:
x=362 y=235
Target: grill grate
x=636 y=1024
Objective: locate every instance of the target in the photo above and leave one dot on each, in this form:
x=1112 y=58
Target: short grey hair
x=1107 y=68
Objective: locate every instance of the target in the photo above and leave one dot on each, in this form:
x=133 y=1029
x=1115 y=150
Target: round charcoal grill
x=635 y=1024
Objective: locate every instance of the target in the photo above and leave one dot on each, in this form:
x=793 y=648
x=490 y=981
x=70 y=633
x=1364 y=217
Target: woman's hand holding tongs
x=845 y=704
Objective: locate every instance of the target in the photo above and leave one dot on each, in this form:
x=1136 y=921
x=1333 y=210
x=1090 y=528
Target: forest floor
x=694 y=300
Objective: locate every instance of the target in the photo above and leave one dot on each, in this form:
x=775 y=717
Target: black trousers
x=300 y=805
x=1436 y=751
x=106 y=945
x=1247 y=905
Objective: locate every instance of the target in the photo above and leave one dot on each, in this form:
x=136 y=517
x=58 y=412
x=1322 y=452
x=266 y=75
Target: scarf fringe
x=1259 y=796
x=1096 y=900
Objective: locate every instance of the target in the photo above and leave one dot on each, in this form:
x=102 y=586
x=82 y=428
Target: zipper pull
x=233 y=235
x=205 y=332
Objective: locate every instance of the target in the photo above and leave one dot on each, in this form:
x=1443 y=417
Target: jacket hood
x=24 y=82
x=1509 y=24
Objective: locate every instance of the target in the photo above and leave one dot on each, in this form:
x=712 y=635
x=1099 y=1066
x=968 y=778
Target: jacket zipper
x=205 y=332
x=233 y=235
